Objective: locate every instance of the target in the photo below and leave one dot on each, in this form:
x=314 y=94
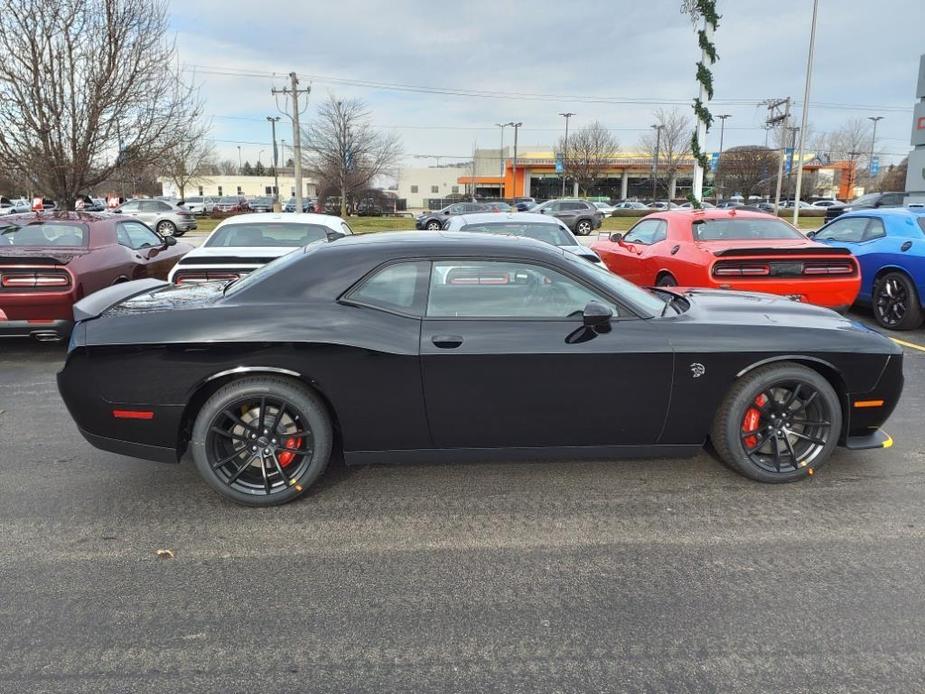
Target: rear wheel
x=778 y=423
x=584 y=227
x=666 y=280
x=433 y=225
x=896 y=302
x=166 y=228
x=261 y=441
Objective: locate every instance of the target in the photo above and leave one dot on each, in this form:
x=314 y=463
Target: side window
x=137 y=236
x=874 y=230
x=891 y=199
x=849 y=230
x=647 y=232
x=399 y=287
x=130 y=206
x=344 y=227
x=554 y=207
x=414 y=189
x=504 y=289
x=456 y=209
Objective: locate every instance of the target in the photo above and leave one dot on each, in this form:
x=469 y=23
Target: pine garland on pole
x=706 y=10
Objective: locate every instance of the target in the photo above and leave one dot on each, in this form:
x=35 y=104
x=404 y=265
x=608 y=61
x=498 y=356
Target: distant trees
x=747 y=170
x=587 y=155
x=343 y=150
x=259 y=169
x=87 y=88
x=247 y=169
x=673 y=145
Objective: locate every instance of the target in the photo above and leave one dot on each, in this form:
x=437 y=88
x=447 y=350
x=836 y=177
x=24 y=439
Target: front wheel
x=433 y=225
x=262 y=441
x=583 y=228
x=778 y=423
x=166 y=228
x=896 y=303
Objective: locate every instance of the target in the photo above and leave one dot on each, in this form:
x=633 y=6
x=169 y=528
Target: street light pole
x=722 y=131
x=873 y=141
x=273 y=122
x=565 y=150
x=501 y=155
x=806 y=90
x=239 y=160
x=516 y=127
x=658 y=144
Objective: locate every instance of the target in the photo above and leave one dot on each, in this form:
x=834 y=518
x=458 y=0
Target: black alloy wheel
x=896 y=303
x=780 y=423
x=261 y=441
x=583 y=228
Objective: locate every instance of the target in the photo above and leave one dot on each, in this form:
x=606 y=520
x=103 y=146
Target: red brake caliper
x=751 y=420
x=286 y=457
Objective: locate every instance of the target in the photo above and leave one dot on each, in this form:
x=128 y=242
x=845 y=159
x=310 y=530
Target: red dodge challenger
x=732 y=249
x=49 y=261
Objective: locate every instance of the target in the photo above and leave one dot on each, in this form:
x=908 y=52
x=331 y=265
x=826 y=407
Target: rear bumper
x=46 y=330
x=838 y=294
x=186 y=224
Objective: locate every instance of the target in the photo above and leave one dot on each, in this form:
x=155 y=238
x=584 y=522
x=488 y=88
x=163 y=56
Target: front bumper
x=877 y=438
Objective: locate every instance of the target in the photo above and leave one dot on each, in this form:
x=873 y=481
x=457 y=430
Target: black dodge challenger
x=422 y=346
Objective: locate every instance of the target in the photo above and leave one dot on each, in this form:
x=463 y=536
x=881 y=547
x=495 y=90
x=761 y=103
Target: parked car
x=890 y=246
x=870 y=201
x=789 y=204
x=825 y=203
x=606 y=208
x=404 y=346
x=732 y=249
x=230 y=204
x=308 y=205
x=50 y=260
x=86 y=203
x=199 y=204
x=434 y=219
x=24 y=205
x=704 y=205
x=631 y=205
x=539 y=227
x=580 y=216
x=168 y=219
x=241 y=244
x=261 y=204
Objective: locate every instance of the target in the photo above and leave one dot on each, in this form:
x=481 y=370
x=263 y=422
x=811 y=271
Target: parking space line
x=911 y=345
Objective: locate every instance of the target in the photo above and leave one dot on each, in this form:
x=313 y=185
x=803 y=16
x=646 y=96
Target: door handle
x=447 y=341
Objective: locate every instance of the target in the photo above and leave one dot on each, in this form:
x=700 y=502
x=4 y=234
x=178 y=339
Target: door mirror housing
x=811 y=234
x=170 y=241
x=597 y=316
x=616 y=237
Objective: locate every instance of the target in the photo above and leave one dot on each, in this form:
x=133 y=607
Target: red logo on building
x=920 y=124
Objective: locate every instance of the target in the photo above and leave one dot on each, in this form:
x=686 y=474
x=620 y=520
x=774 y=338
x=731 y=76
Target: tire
x=266 y=473
x=745 y=430
x=584 y=227
x=433 y=225
x=666 y=280
x=166 y=228
x=896 y=302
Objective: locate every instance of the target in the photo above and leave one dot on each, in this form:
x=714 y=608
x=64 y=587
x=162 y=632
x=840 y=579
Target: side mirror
x=596 y=315
x=170 y=241
x=811 y=234
x=334 y=235
x=616 y=237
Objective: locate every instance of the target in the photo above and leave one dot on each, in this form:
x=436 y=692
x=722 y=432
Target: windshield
x=44 y=234
x=743 y=229
x=286 y=234
x=868 y=199
x=263 y=271
x=548 y=233
x=651 y=303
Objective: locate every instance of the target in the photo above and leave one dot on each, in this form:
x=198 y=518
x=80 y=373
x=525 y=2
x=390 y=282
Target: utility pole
x=565 y=150
x=852 y=172
x=806 y=90
x=722 y=131
x=239 y=160
x=276 y=205
x=793 y=143
x=873 y=142
x=293 y=91
x=779 y=117
x=767 y=131
x=516 y=127
x=501 y=155
x=658 y=143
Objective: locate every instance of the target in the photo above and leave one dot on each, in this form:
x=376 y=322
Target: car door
x=631 y=258
x=151 y=252
x=507 y=362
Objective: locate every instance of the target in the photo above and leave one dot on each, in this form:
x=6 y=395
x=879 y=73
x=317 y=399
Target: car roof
x=64 y=216
x=330 y=221
x=477 y=217
x=711 y=213
x=450 y=243
x=883 y=212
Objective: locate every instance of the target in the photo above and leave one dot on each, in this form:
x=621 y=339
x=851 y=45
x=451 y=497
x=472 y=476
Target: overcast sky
x=867 y=57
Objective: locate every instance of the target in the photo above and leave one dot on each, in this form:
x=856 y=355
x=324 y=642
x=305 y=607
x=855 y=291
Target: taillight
x=35 y=280
x=741 y=270
x=830 y=268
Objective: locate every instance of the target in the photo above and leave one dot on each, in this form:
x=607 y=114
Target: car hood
x=60 y=256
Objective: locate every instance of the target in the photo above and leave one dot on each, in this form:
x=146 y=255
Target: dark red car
x=49 y=261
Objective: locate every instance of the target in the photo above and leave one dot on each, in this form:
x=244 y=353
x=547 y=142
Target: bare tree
x=674 y=143
x=747 y=170
x=226 y=167
x=344 y=152
x=590 y=149
x=87 y=87
x=189 y=159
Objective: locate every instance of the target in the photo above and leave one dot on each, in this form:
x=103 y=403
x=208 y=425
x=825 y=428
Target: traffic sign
x=714 y=161
x=789 y=163
x=874 y=166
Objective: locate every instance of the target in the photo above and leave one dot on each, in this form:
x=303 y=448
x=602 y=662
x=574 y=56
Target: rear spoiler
x=744 y=252
x=93 y=305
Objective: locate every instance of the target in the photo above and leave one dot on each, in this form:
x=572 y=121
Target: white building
x=239 y=185
x=418 y=185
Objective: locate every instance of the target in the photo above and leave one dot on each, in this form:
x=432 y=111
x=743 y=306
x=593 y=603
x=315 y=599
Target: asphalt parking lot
x=658 y=575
